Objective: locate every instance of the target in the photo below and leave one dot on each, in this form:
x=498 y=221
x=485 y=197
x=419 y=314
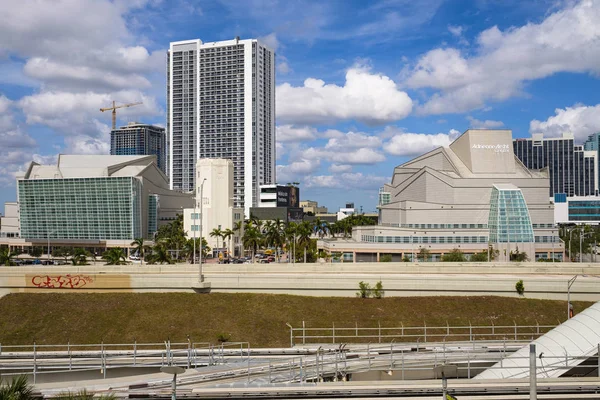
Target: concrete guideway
x=542 y=280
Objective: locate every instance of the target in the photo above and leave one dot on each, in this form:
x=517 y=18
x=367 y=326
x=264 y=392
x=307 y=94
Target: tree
x=518 y=256
x=6 y=256
x=64 y=252
x=159 y=254
x=37 y=251
x=454 y=256
x=479 y=257
x=79 y=256
x=423 y=254
x=140 y=248
x=227 y=234
x=252 y=239
x=303 y=233
x=17 y=389
x=274 y=235
x=216 y=232
x=114 y=256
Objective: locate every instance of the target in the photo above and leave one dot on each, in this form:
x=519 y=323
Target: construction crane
x=114 y=111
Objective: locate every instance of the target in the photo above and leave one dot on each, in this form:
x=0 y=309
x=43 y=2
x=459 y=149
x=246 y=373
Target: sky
x=361 y=86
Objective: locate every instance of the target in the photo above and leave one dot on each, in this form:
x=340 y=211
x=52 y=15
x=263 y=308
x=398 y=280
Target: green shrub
x=223 y=337
x=385 y=258
x=378 y=291
x=364 y=290
x=520 y=287
x=454 y=256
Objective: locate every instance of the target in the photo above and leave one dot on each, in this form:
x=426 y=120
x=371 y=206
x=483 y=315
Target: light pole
x=49 y=233
x=200 y=277
x=569 y=284
x=570 y=238
x=194 y=217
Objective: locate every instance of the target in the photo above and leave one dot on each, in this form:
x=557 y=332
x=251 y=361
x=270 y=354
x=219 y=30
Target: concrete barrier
x=542 y=280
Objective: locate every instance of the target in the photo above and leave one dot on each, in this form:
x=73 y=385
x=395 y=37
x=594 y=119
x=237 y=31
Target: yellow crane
x=114 y=111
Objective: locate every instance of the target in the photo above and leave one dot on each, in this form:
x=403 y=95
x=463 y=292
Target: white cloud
x=5 y=103
x=290 y=133
x=296 y=170
x=366 y=97
x=77 y=113
x=413 y=144
x=16 y=139
x=456 y=30
x=364 y=156
x=487 y=124
x=565 y=41
x=73 y=76
x=356 y=180
x=270 y=41
x=580 y=120
x=352 y=140
x=337 y=168
x=283 y=66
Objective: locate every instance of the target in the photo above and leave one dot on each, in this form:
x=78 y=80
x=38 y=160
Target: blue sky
x=362 y=86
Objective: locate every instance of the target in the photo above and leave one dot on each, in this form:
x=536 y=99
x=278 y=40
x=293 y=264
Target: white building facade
x=221 y=104
x=214 y=207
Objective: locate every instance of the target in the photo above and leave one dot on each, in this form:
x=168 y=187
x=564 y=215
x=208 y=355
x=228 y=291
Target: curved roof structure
x=578 y=338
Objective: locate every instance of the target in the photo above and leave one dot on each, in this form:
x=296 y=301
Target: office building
x=576 y=210
x=467 y=196
x=221 y=104
x=93 y=201
x=278 y=202
x=312 y=207
x=136 y=139
x=214 y=205
x=571 y=169
x=9 y=223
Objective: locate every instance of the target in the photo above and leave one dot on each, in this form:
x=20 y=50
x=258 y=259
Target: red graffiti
x=61 y=281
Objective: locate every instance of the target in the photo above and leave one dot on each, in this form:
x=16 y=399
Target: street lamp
x=49 y=233
x=194 y=217
x=200 y=277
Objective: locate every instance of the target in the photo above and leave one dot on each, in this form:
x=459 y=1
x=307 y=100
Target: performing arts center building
x=473 y=195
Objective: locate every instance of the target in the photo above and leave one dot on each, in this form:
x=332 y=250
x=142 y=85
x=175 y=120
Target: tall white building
x=221 y=104
x=214 y=208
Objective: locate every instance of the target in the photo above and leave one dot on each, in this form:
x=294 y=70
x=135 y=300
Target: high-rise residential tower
x=571 y=169
x=221 y=104
x=136 y=139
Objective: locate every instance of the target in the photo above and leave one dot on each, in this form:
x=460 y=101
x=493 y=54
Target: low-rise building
x=278 y=202
x=580 y=210
x=214 y=206
x=93 y=201
x=312 y=207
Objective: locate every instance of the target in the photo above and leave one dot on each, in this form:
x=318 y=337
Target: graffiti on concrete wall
x=61 y=281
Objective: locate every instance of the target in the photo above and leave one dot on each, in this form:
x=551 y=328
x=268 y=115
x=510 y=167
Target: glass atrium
x=509 y=220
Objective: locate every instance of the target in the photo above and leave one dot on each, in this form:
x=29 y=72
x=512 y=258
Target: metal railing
x=381 y=334
x=37 y=359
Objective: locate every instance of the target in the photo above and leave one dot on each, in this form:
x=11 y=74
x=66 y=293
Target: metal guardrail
x=381 y=334
x=37 y=359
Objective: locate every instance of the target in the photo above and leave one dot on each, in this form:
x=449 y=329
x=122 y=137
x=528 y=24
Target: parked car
x=264 y=261
x=271 y=259
x=237 y=261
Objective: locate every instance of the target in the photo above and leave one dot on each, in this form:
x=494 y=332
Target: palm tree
x=289 y=234
x=140 y=248
x=160 y=254
x=217 y=233
x=239 y=228
x=6 y=256
x=226 y=235
x=303 y=233
x=79 y=256
x=114 y=256
x=274 y=235
x=17 y=389
x=252 y=239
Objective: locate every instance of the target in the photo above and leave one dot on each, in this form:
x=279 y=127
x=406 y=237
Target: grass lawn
x=259 y=319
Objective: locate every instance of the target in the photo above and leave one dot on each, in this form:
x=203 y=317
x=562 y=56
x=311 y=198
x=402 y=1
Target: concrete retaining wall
x=546 y=281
